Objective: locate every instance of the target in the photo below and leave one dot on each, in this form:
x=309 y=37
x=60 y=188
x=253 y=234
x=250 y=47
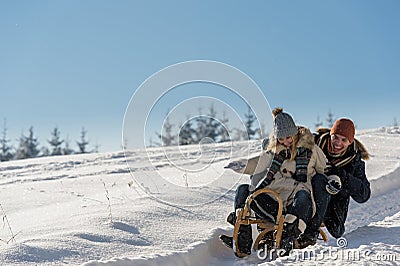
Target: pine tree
x=28 y=146
x=250 y=119
x=5 y=148
x=96 y=147
x=200 y=127
x=207 y=126
x=330 y=120
x=67 y=150
x=211 y=124
x=318 y=123
x=55 y=142
x=186 y=133
x=223 y=128
x=83 y=143
x=166 y=137
x=33 y=144
x=22 y=150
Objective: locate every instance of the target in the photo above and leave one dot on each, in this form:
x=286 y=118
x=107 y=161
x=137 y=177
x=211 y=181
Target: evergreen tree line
x=201 y=127
x=211 y=126
x=28 y=145
x=329 y=120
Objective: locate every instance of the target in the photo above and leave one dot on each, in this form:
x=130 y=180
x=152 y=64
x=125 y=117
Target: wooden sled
x=244 y=216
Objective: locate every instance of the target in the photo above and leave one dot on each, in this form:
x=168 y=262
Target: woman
x=286 y=166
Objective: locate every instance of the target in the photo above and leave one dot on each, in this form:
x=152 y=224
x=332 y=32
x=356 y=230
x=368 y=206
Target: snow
x=59 y=212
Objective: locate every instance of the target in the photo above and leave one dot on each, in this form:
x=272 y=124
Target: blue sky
x=77 y=63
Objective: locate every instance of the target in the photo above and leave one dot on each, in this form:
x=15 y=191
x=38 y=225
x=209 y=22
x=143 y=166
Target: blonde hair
x=293 y=149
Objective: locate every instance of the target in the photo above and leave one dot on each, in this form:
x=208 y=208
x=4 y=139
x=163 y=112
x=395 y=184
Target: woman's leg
x=297 y=215
x=265 y=207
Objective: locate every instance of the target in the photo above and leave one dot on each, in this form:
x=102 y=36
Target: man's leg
x=322 y=199
x=335 y=216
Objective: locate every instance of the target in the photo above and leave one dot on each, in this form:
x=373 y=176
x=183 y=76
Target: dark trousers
x=266 y=207
x=245 y=239
x=322 y=199
x=301 y=206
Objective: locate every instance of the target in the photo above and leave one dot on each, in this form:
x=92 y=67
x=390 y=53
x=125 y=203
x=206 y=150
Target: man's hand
x=334 y=185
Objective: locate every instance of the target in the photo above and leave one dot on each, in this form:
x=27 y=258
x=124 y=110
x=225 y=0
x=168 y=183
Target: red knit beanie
x=344 y=127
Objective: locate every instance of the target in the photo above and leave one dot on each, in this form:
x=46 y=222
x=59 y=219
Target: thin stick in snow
x=5 y=221
x=109 y=203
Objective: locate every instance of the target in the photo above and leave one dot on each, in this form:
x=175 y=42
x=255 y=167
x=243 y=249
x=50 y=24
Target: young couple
x=315 y=175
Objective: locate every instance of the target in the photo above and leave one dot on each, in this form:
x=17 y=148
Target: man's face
x=339 y=143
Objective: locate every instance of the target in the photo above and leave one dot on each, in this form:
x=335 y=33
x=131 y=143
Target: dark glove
x=334 y=185
x=265 y=143
x=300 y=177
x=303 y=157
x=236 y=165
x=333 y=170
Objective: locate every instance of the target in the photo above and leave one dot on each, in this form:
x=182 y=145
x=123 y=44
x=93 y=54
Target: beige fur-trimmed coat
x=283 y=182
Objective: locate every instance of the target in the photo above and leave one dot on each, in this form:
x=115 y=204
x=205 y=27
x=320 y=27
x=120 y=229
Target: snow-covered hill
x=87 y=209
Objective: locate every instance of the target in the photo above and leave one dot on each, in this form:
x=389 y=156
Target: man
x=346 y=157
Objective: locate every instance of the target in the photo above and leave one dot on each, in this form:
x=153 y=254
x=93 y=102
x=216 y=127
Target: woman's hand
x=235 y=165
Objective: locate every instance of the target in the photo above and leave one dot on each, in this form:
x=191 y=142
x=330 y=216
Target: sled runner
x=245 y=216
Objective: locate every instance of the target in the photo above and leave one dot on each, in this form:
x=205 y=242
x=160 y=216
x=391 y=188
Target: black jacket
x=350 y=167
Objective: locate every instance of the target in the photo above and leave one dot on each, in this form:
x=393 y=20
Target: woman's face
x=339 y=143
x=287 y=142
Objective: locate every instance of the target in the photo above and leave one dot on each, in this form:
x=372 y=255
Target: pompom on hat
x=344 y=127
x=284 y=125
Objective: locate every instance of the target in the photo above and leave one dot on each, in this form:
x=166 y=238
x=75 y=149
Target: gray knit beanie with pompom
x=284 y=125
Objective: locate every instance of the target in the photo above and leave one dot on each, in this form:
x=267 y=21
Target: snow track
x=210 y=252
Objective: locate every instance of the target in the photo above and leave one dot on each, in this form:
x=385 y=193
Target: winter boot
x=227 y=240
x=231 y=218
x=306 y=239
x=289 y=235
x=245 y=240
x=287 y=242
x=268 y=241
